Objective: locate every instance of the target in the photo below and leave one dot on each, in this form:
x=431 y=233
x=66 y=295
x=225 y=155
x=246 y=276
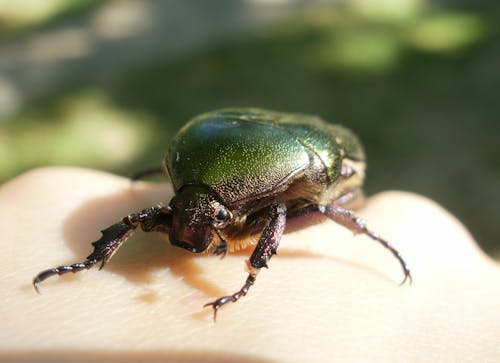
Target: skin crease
x=327 y=295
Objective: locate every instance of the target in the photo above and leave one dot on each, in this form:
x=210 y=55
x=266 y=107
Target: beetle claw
x=216 y=304
x=408 y=278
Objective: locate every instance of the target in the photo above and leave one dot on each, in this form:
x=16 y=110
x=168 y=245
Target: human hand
x=327 y=295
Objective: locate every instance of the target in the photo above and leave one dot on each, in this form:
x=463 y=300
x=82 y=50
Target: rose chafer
x=239 y=176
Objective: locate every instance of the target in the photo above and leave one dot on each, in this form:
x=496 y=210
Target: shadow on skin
x=304 y=254
x=145 y=253
x=140 y=255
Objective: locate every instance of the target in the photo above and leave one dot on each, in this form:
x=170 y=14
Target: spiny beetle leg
x=104 y=248
x=266 y=247
x=346 y=218
x=149 y=219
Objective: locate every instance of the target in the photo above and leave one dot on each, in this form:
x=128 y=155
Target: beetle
x=239 y=175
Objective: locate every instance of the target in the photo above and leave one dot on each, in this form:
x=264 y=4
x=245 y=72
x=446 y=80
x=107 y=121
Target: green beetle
x=239 y=176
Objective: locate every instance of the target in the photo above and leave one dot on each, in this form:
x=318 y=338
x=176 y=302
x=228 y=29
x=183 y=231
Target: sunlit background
x=105 y=84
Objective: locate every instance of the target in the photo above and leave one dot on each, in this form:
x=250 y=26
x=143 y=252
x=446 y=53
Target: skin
x=327 y=295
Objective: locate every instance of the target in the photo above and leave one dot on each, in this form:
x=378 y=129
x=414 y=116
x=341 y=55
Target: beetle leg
x=266 y=247
x=346 y=218
x=150 y=219
x=146 y=172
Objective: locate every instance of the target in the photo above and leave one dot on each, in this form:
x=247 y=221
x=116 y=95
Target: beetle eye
x=222 y=216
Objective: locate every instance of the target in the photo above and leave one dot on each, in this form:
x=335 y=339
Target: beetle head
x=196 y=213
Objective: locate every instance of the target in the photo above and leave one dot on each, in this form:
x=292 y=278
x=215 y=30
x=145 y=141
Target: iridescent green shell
x=248 y=153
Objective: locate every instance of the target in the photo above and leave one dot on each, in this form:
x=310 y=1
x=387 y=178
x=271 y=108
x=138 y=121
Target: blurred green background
x=105 y=84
